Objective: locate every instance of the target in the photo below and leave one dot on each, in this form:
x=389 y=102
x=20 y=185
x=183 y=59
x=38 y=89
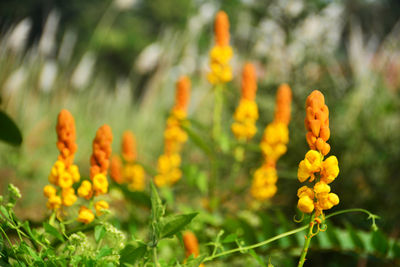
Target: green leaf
x=174 y=223
x=157 y=209
x=230 y=238
x=104 y=251
x=257 y=258
x=332 y=235
x=9 y=130
x=194 y=262
x=379 y=242
x=4 y=211
x=131 y=253
x=28 y=250
x=396 y=250
x=354 y=237
x=52 y=231
x=99 y=232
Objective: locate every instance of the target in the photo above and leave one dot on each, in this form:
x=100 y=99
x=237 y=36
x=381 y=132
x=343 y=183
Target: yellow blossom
x=264 y=180
x=68 y=196
x=330 y=169
x=49 y=191
x=100 y=184
x=85 y=190
x=74 y=171
x=54 y=202
x=85 y=215
x=134 y=175
x=311 y=164
x=65 y=180
x=305 y=204
x=100 y=206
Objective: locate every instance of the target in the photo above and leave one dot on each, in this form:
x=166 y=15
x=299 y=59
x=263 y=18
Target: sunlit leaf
x=174 y=223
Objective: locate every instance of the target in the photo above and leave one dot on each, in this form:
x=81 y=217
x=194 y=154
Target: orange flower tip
x=128 y=146
x=249 y=82
x=182 y=94
x=221 y=29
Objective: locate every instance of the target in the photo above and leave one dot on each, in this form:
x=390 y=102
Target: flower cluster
x=191 y=245
x=99 y=161
x=246 y=114
x=63 y=173
x=273 y=146
x=314 y=167
x=221 y=53
x=128 y=171
x=168 y=165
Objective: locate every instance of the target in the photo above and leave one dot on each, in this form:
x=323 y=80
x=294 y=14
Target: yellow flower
x=327 y=201
x=85 y=190
x=160 y=180
x=65 y=180
x=321 y=187
x=263 y=186
x=305 y=191
x=74 y=171
x=311 y=164
x=57 y=169
x=245 y=116
x=49 y=191
x=305 y=204
x=134 y=175
x=330 y=169
x=85 y=215
x=100 y=184
x=68 y=196
x=54 y=202
x=275 y=139
x=100 y=206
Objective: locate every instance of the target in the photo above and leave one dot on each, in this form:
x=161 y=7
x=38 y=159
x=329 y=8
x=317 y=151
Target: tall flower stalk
x=98 y=184
x=220 y=70
x=316 y=198
x=168 y=165
x=246 y=114
x=64 y=173
x=127 y=170
x=273 y=146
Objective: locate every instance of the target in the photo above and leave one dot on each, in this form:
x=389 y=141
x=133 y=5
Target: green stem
x=258 y=244
x=217 y=112
x=306 y=243
x=370 y=216
x=9 y=242
x=155 y=258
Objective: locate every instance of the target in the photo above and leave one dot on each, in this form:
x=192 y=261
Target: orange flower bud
x=66 y=137
x=100 y=159
x=116 y=169
x=249 y=82
x=182 y=93
x=129 y=146
x=191 y=244
x=221 y=29
x=283 y=101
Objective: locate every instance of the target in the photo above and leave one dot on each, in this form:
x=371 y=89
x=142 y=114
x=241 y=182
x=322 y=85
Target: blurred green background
x=116 y=62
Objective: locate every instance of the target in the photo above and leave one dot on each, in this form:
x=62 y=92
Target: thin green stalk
x=218 y=101
x=155 y=258
x=9 y=242
x=258 y=244
x=370 y=216
x=306 y=243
